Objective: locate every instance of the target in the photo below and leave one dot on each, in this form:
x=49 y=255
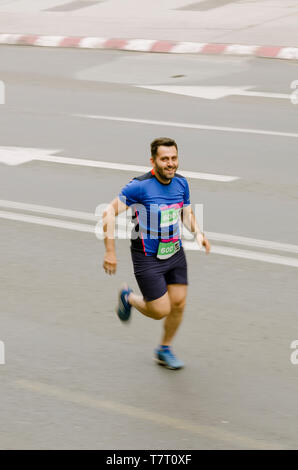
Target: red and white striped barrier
x=151 y=45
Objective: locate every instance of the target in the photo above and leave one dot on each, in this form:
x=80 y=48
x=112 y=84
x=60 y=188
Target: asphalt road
x=74 y=376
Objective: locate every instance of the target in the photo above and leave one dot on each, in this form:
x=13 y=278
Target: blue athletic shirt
x=156 y=210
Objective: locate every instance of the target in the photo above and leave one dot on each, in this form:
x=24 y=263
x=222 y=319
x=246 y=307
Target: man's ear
x=152 y=161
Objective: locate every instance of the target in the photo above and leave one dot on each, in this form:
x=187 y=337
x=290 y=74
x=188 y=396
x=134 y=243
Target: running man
x=158 y=199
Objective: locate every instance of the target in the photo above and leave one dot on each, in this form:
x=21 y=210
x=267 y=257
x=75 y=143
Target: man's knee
x=178 y=305
x=177 y=294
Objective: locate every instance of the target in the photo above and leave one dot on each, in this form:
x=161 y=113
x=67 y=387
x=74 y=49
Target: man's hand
x=110 y=262
x=203 y=241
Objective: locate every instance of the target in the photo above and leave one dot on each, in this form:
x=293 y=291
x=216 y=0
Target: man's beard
x=163 y=175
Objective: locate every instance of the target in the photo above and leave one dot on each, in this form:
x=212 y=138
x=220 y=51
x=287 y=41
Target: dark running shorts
x=153 y=275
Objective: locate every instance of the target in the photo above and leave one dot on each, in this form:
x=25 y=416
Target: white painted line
x=134 y=168
x=208 y=176
x=19 y=155
x=146 y=415
x=246 y=254
x=254 y=242
x=48 y=222
x=187 y=125
x=261 y=94
x=256 y=256
x=192 y=246
x=93 y=163
x=48 y=210
x=124 y=221
x=214 y=92
x=204 y=92
x=2 y=92
x=2 y=353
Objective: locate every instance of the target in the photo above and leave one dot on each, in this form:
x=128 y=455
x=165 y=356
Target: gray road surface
x=75 y=377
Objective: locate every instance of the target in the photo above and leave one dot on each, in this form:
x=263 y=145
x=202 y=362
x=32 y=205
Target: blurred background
x=85 y=90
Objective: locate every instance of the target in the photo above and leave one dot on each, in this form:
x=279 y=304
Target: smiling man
x=158 y=199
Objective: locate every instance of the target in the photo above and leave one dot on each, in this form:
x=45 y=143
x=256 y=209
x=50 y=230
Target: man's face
x=165 y=163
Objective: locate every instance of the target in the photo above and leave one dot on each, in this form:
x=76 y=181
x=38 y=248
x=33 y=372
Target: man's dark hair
x=161 y=141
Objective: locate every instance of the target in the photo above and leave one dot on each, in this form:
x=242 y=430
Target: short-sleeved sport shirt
x=156 y=210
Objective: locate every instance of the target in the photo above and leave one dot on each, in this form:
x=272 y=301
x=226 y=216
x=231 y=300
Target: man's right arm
x=115 y=208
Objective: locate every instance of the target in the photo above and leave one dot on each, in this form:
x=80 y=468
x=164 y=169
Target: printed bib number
x=167 y=249
x=169 y=217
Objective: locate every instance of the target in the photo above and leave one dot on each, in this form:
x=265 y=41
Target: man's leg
x=156 y=309
x=169 y=306
x=177 y=296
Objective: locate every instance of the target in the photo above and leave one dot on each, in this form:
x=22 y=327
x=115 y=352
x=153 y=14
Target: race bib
x=169 y=217
x=167 y=249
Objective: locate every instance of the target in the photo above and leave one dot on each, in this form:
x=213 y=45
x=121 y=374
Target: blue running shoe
x=124 y=308
x=165 y=357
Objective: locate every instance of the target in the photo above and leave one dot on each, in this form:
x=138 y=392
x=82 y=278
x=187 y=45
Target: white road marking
x=246 y=254
x=214 y=92
x=2 y=92
x=2 y=353
x=135 y=168
x=124 y=220
x=184 y=125
x=122 y=234
x=89 y=401
x=19 y=155
x=257 y=243
x=47 y=210
x=205 y=92
x=47 y=221
x=263 y=94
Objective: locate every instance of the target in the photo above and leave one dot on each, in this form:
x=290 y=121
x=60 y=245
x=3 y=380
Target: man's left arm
x=190 y=222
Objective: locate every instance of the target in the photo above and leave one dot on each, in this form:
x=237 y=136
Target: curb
x=151 y=45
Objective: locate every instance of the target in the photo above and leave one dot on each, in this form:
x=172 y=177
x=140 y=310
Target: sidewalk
x=244 y=22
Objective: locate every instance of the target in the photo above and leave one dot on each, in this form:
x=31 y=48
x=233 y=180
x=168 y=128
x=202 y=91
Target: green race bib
x=169 y=217
x=167 y=249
